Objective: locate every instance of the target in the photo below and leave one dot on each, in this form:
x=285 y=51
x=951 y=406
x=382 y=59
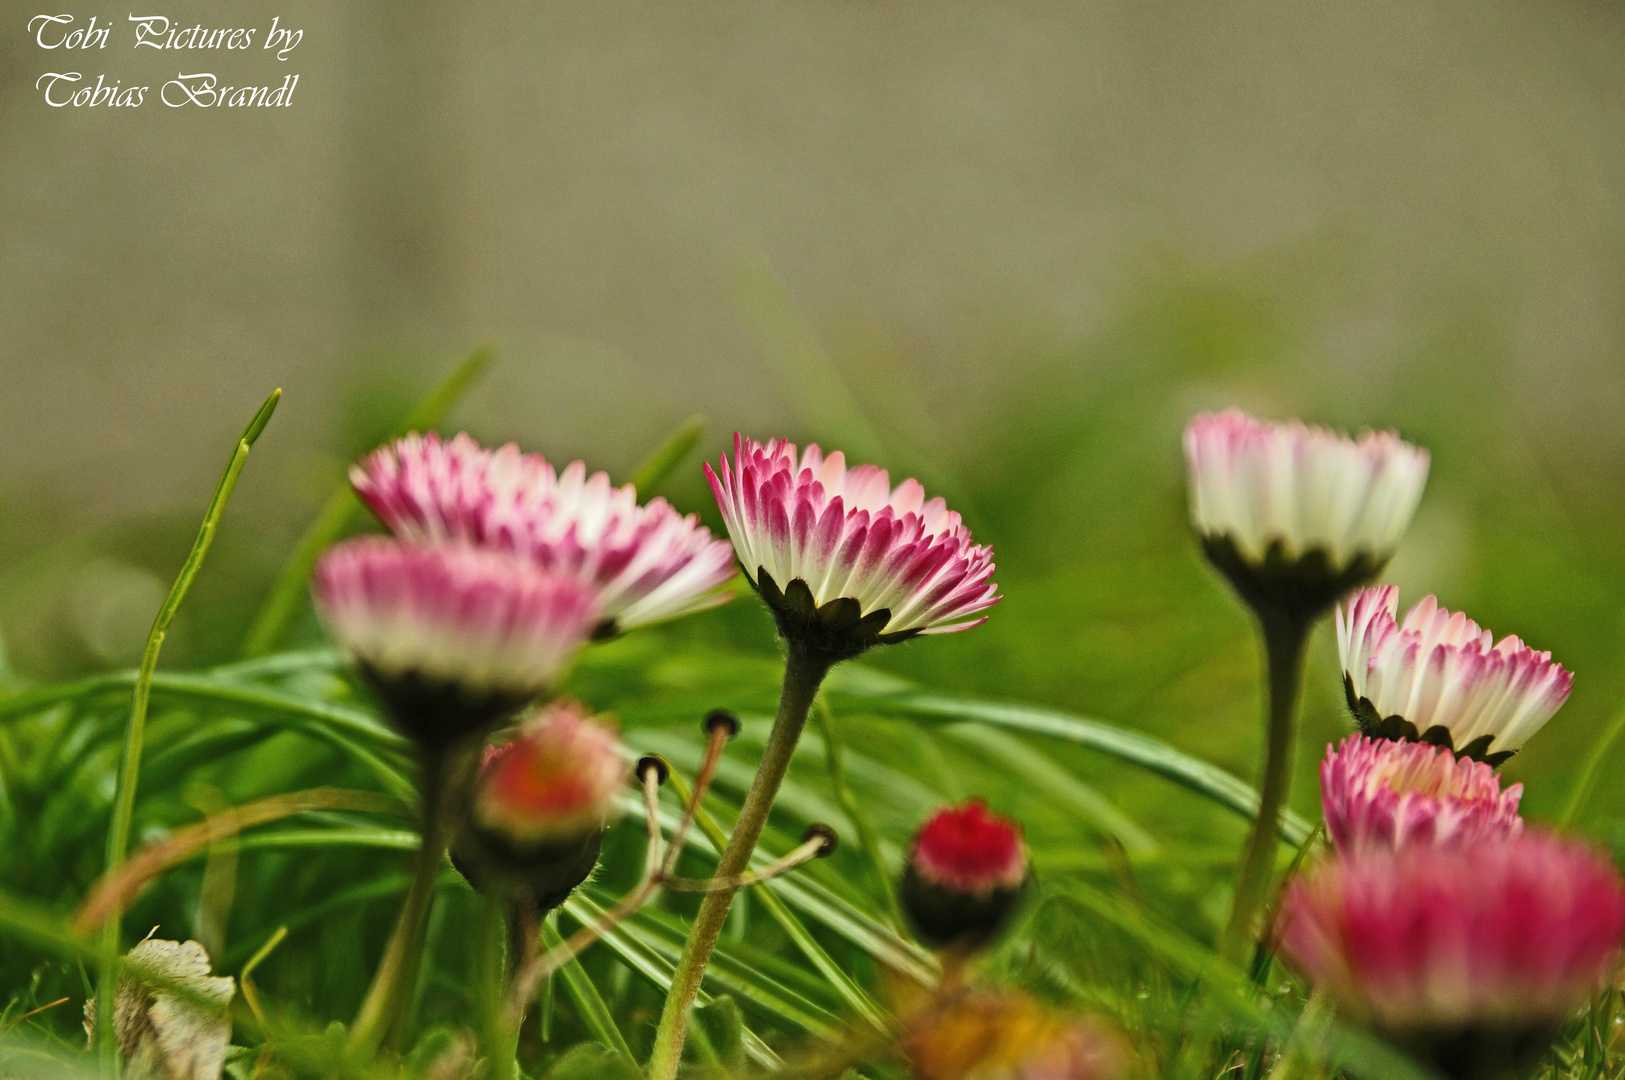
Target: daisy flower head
x=1471 y=957
x=453 y=638
x=965 y=875
x=1384 y=795
x=1439 y=677
x=844 y=559
x=1295 y=516
x=644 y=563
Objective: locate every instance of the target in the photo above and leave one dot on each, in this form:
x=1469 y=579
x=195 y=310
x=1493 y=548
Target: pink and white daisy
x=645 y=564
x=811 y=532
x=557 y=779
x=1380 y=795
x=1295 y=516
x=1303 y=488
x=454 y=637
x=965 y=873
x=1512 y=934
x=1441 y=678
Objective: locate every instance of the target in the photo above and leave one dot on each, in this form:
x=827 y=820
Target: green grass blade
x=1148 y=753
x=834 y=760
x=1062 y=786
x=338 y=514
x=1588 y=774
x=589 y=1003
x=118 y=833
x=667 y=456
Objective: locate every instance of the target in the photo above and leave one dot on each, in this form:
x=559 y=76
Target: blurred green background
x=1008 y=248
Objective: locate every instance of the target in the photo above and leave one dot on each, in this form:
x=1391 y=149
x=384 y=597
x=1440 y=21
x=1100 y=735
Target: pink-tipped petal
x=845 y=533
x=426 y=489
x=1440 y=669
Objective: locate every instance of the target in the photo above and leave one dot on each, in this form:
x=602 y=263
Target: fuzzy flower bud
x=965 y=875
x=541 y=804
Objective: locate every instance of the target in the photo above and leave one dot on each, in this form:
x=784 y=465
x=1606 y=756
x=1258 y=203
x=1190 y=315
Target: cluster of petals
x=644 y=563
x=558 y=778
x=1440 y=669
x=1383 y=795
x=970 y=849
x=984 y=1035
x=847 y=533
x=485 y=620
x=1518 y=931
x=1305 y=488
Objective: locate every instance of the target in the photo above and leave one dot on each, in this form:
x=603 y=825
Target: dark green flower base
x=1480 y=1051
x=829 y=634
x=542 y=876
x=942 y=917
x=437 y=714
x=1302 y=588
x=1374 y=725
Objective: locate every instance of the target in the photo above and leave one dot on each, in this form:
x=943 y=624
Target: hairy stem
x=1284 y=639
x=397 y=971
x=802 y=675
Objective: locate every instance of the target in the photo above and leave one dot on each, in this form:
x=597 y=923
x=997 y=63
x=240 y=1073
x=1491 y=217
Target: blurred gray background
x=573 y=181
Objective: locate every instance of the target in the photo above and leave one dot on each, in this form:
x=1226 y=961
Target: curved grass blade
x=667 y=456
x=221 y=693
x=649 y=964
x=1148 y=753
x=589 y=1003
x=834 y=760
x=338 y=514
x=1065 y=788
x=120 y=884
x=118 y=833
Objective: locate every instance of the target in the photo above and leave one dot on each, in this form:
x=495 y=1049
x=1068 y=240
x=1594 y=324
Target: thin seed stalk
x=803 y=673
x=1285 y=638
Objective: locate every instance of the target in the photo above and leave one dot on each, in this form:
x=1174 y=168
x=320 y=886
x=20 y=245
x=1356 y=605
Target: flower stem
x=1285 y=637
x=803 y=672
x=397 y=971
x=501 y=1036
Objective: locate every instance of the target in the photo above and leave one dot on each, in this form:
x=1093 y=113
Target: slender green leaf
x=1150 y=754
x=589 y=1003
x=129 y=774
x=667 y=456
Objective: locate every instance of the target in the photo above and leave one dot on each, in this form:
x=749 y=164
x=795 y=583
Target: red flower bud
x=965 y=873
